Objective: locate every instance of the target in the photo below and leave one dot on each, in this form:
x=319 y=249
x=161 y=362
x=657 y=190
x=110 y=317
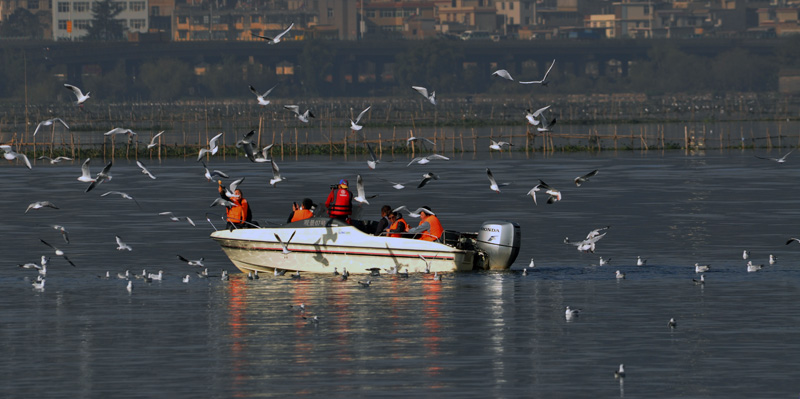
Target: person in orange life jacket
x=384 y=223
x=301 y=212
x=238 y=215
x=429 y=226
x=340 y=202
x=399 y=227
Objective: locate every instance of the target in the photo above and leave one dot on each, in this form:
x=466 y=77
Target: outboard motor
x=499 y=242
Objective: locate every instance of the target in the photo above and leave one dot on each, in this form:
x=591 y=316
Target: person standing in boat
x=237 y=215
x=399 y=227
x=340 y=202
x=430 y=229
x=383 y=224
x=301 y=212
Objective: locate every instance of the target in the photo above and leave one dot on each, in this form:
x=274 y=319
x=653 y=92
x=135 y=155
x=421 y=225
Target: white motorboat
x=322 y=245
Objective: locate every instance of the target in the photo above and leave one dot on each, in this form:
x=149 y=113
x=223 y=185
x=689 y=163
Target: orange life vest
x=395 y=226
x=238 y=213
x=301 y=214
x=435 y=231
x=340 y=203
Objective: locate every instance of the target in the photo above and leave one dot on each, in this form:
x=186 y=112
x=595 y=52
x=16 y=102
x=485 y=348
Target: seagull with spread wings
x=277 y=38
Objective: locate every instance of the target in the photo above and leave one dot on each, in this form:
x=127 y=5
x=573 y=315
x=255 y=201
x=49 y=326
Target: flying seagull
x=55 y=160
x=302 y=117
x=40 y=205
x=262 y=98
x=81 y=98
x=121 y=245
x=276 y=174
x=101 y=177
x=361 y=197
x=426 y=159
x=583 y=179
x=424 y=92
x=373 y=160
x=532 y=116
x=498 y=145
x=355 y=125
x=212 y=147
x=494 y=186
x=503 y=74
x=778 y=160
x=49 y=122
x=121 y=194
x=12 y=155
x=555 y=195
x=153 y=140
x=544 y=81
x=426 y=178
x=276 y=39
x=58 y=252
x=144 y=170
x=86 y=175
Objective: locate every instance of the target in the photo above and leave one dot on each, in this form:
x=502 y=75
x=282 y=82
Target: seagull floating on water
x=620 y=275
x=671 y=323
x=640 y=261
x=570 y=313
x=753 y=268
x=701 y=281
x=773 y=259
x=698 y=268
x=620 y=373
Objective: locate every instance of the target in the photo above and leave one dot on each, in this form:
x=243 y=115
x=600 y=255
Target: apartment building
x=72 y=18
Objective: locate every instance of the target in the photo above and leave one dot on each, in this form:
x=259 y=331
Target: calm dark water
x=472 y=335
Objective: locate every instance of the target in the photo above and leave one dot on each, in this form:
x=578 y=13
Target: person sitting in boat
x=430 y=229
x=301 y=212
x=340 y=202
x=384 y=223
x=239 y=214
x=399 y=227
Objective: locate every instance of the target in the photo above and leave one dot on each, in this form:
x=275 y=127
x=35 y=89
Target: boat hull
x=317 y=246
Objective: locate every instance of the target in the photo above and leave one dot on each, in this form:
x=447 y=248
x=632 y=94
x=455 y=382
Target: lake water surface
x=487 y=334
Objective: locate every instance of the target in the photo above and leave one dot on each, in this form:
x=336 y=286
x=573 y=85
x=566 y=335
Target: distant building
x=472 y=14
x=634 y=19
x=72 y=18
x=407 y=19
x=40 y=8
x=784 y=20
x=606 y=22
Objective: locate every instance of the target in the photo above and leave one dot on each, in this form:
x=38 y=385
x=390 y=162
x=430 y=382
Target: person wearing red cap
x=340 y=202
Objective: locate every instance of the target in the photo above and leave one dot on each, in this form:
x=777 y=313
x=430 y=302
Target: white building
x=71 y=18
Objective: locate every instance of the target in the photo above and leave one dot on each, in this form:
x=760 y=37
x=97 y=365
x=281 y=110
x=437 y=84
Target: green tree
x=104 y=25
x=167 y=79
x=21 y=23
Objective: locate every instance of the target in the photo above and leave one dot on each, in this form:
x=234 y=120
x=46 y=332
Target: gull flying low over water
x=544 y=81
x=583 y=179
x=230 y=191
x=354 y=125
x=214 y=174
x=80 y=97
x=302 y=117
x=604 y=262
x=40 y=205
x=86 y=175
x=212 y=147
x=121 y=245
x=498 y=145
x=426 y=159
x=493 y=183
x=277 y=38
x=778 y=160
x=144 y=170
x=503 y=74
x=372 y=161
x=222 y=202
x=11 y=155
x=100 y=178
x=153 y=140
x=246 y=143
x=276 y=174
x=422 y=141
x=264 y=155
x=121 y=194
x=424 y=92
x=174 y=218
x=791 y=240
x=532 y=116
x=262 y=98
x=63 y=231
x=395 y=185
x=58 y=252
x=55 y=160
x=426 y=178
x=555 y=195
x=197 y=262
x=49 y=122
x=587 y=245
x=546 y=126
